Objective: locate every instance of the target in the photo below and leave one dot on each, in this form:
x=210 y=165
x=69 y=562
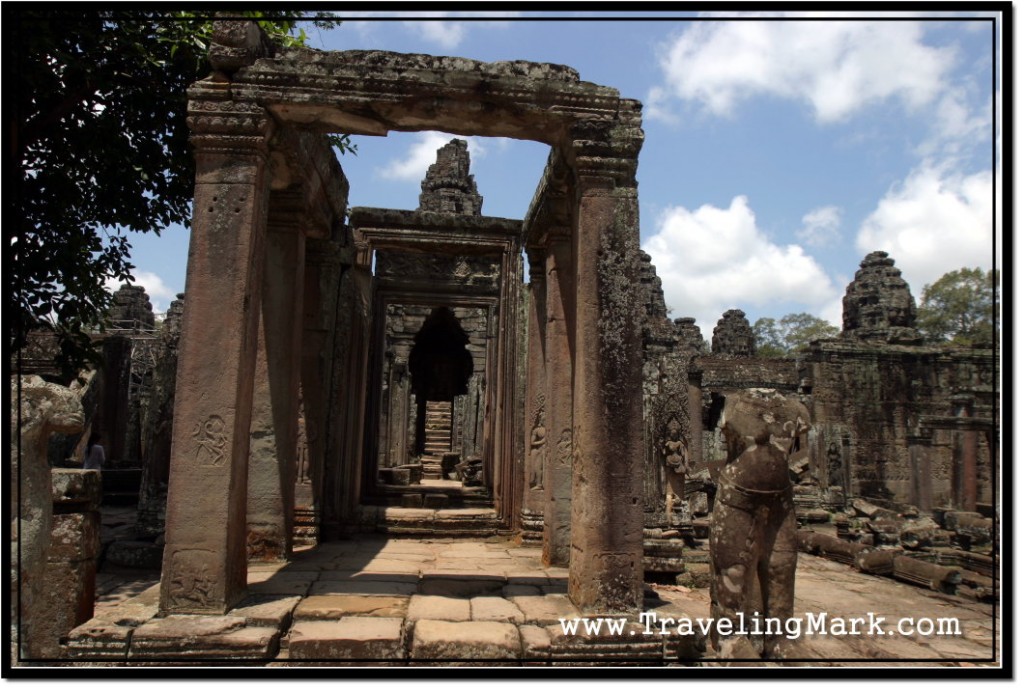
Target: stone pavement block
x=362 y=586
x=335 y=606
x=438 y=607
x=282 y=583
x=536 y=645
x=247 y=643
x=545 y=609
x=98 y=640
x=471 y=640
x=460 y=585
x=348 y=638
x=491 y=608
x=266 y=610
x=393 y=565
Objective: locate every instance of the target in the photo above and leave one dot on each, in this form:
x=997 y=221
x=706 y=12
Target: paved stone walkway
x=373 y=600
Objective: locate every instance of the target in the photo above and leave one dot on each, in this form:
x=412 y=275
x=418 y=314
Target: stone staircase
x=438 y=437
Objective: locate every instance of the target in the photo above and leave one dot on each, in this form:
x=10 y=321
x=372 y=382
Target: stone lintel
x=372 y=92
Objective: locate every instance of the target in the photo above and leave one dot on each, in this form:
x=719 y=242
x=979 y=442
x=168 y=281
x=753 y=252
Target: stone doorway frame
x=405 y=231
x=263 y=165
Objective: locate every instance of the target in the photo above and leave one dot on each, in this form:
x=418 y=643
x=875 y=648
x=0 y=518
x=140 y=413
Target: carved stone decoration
x=190 y=584
x=733 y=336
x=878 y=304
x=210 y=440
x=753 y=523
x=538 y=445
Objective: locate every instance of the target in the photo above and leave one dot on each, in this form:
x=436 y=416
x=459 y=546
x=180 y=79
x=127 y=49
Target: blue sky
x=779 y=150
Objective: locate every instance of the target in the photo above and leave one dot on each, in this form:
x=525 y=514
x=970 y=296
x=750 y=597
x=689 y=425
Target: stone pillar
x=536 y=431
x=606 y=558
x=558 y=365
x=967 y=467
x=920 y=449
x=273 y=438
x=71 y=558
x=204 y=567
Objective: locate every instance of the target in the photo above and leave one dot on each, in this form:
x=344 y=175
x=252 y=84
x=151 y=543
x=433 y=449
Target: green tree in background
x=788 y=335
x=100 y=148
x=961 y=307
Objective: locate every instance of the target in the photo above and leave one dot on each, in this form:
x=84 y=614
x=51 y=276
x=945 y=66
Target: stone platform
x=380 y=601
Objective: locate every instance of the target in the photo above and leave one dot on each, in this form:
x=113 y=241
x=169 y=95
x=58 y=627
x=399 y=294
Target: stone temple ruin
x=339 y=371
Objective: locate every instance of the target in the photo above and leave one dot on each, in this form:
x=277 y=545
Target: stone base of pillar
x=531 y=527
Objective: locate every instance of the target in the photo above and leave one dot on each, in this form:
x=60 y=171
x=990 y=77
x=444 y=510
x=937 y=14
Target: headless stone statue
x=46 y=409
x=753 y=523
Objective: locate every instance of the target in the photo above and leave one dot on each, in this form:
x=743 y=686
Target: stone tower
x=733 y=336
x=131 y=309
x=878 y=305
x=448 y=187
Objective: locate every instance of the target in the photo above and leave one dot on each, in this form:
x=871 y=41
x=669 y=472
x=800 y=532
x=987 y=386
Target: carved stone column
x=967 y=467
x=273 y=440
x=558 y=365
x=204 y=558
x=538 y=447
x=606 y=558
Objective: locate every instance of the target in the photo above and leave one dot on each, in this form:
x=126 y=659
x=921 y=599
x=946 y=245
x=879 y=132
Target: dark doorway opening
x=440 y=366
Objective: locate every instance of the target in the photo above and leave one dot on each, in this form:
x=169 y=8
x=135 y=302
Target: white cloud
x=935 y=221
x=712 y=259
x=440 y=28
x=837 y=67
x=820 y=226
x=160 y=295
x=423 y=152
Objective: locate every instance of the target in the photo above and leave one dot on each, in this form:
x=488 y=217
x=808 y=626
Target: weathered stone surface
x=348 y=638
x=334 y=606
x=365 y=586
x=266 y=610
x=536 y=642
x=135 y=554
x=45 y=409
x=99 y=640
x=438 y=607
x=471 y=640
x=81 y=488
x=494 y=609
x=545 y=609
x=228 y=643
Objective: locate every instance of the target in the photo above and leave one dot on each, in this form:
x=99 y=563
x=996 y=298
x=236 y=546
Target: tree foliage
x=961 y=307
x=788 y=335
x=100 y=146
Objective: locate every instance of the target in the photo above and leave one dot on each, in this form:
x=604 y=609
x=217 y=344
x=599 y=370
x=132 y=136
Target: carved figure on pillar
x=753 y=523
x=538 y=442
x=677 y=463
